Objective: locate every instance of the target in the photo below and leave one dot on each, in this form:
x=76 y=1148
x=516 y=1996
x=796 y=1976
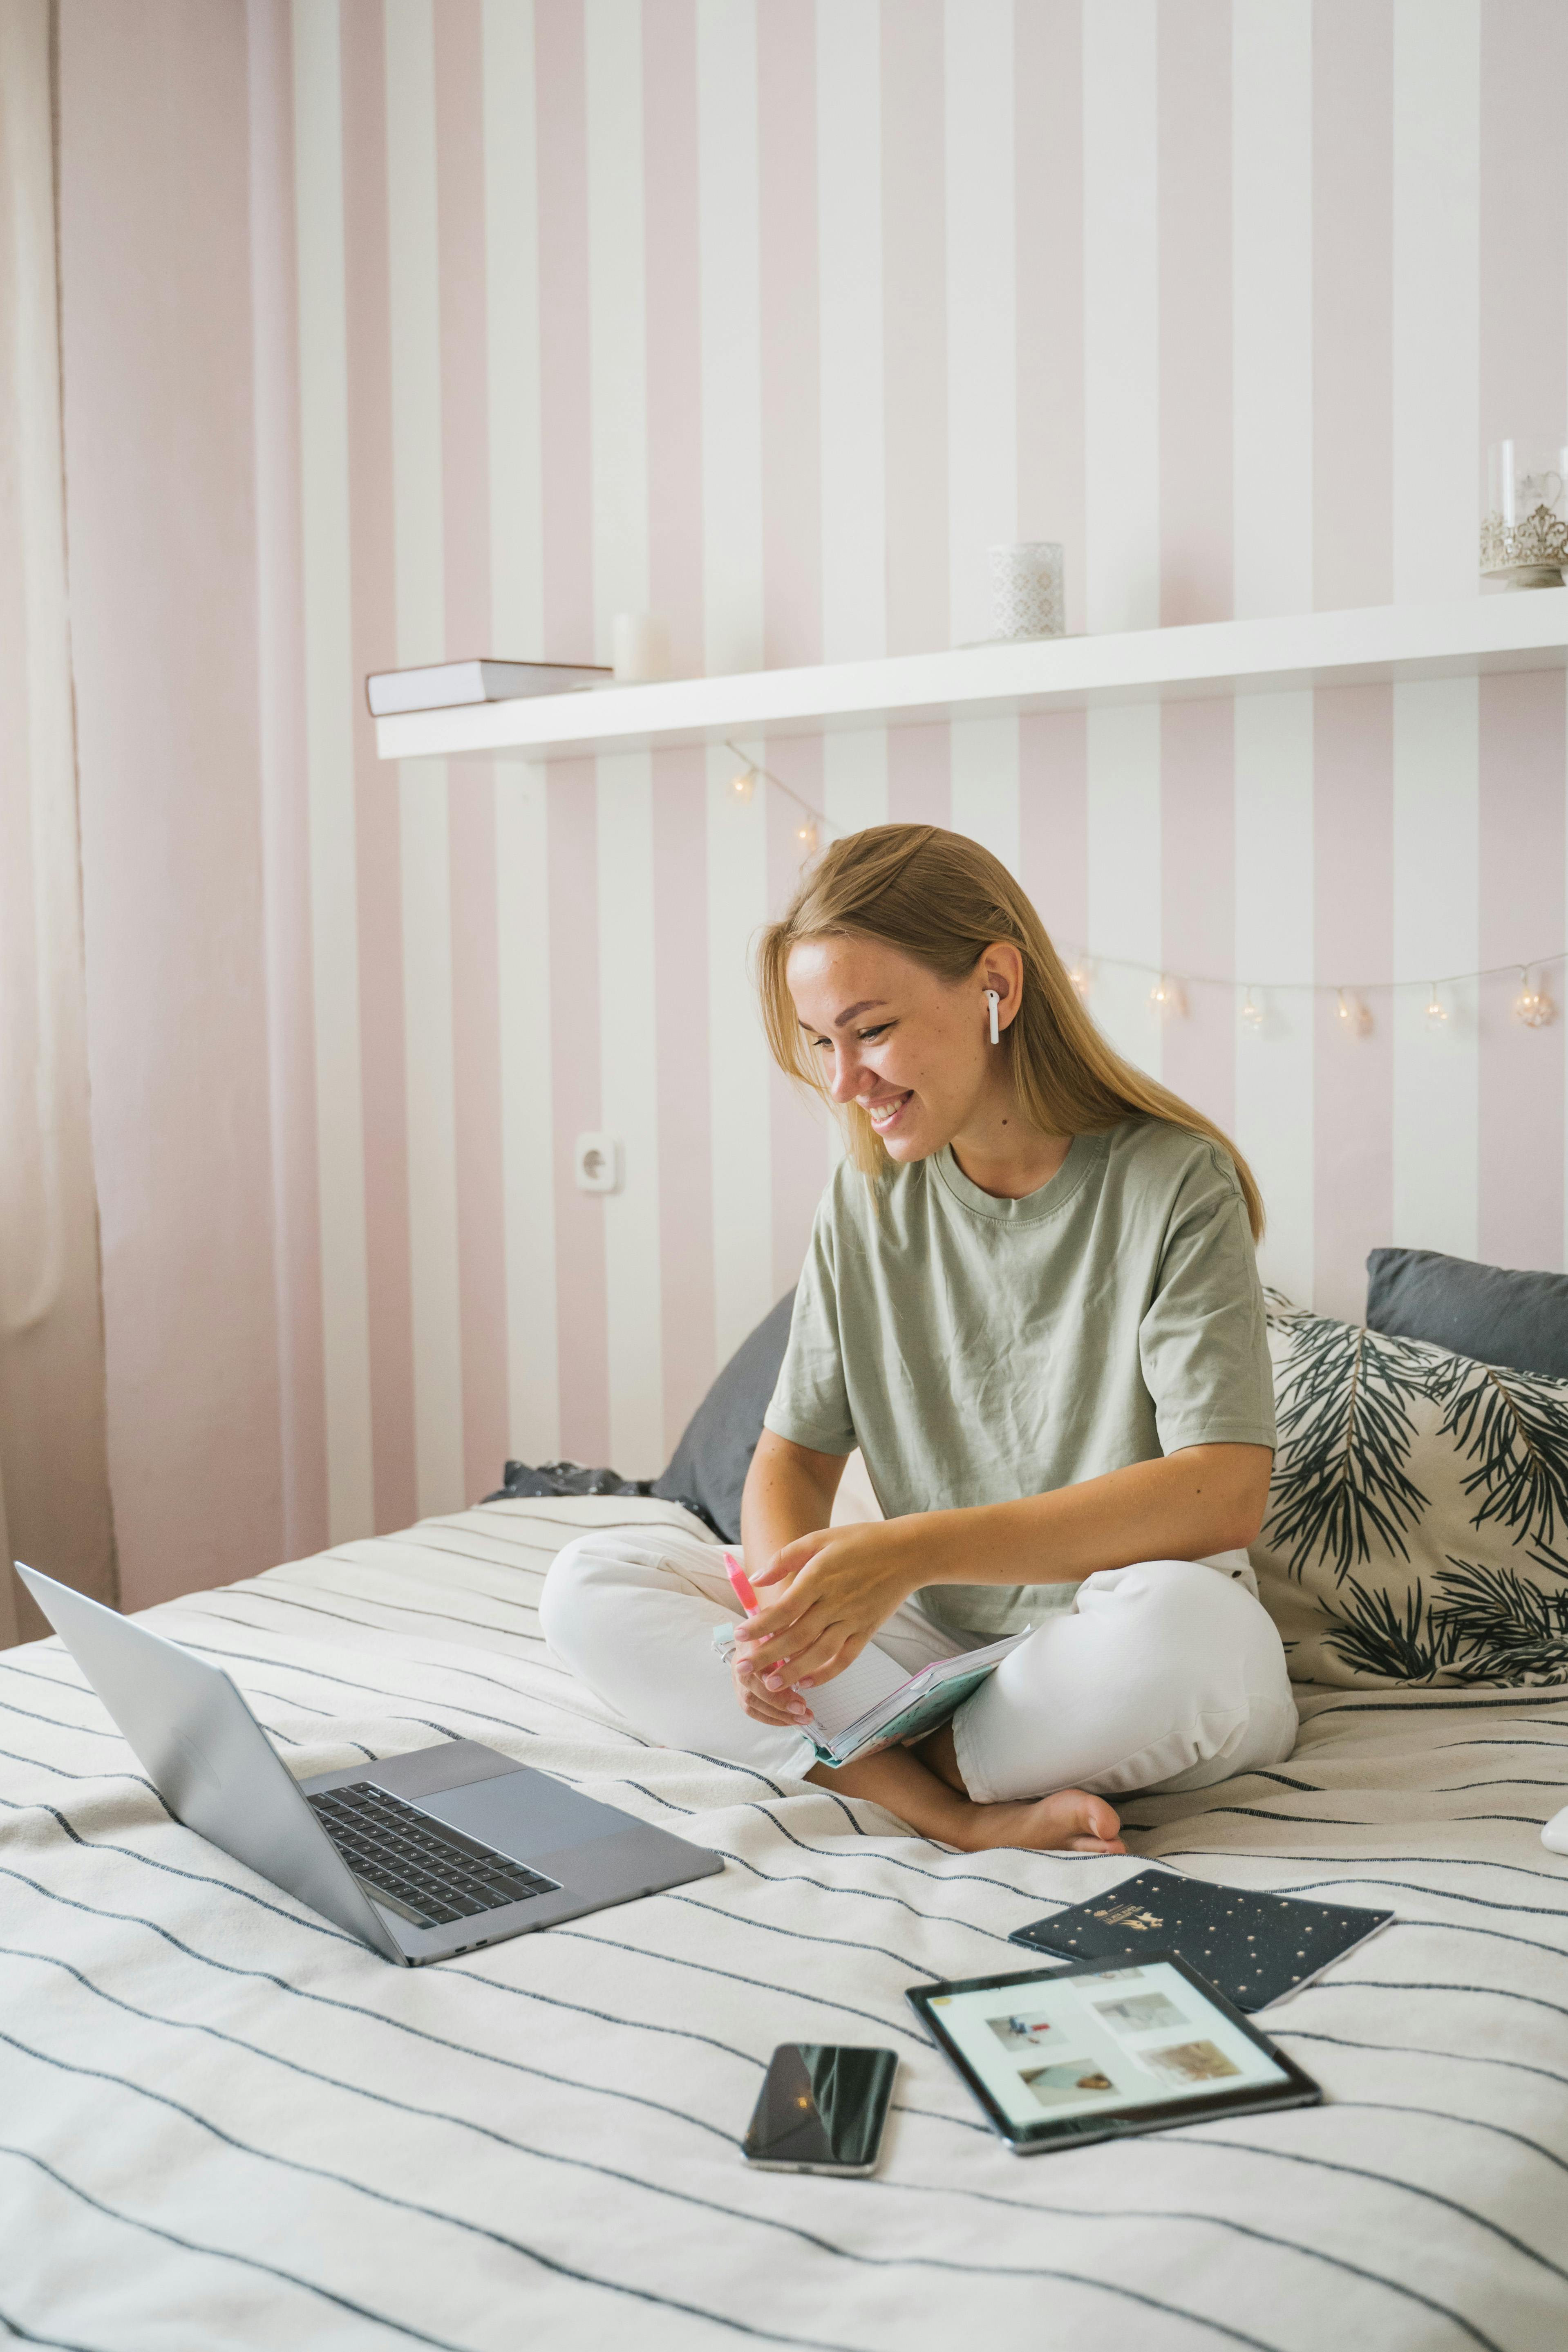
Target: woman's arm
x=788 y=1493
x=843 y=1582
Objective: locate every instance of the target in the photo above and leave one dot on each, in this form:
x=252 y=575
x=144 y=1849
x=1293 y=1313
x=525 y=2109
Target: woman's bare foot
x=1071 y=1821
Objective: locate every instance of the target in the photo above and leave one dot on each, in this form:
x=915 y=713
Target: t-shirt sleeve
x=1203 y=1339
x=811 y=1403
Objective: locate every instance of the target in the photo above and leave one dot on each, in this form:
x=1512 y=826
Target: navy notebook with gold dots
x=1254 y=1947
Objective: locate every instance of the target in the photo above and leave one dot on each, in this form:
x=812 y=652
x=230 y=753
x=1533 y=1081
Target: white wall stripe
x=617 y=308
x=517 y=620
x=1121 y=323
x=422 y=786
x=849 y=279
x=512 y=331
x=1271 y=243
x=984 y=765
x=982 y=286
x=730 y=262
x=1436 y=830
x=1125 y=912
x=1436 y=245
x=1274 y=937
x=628 y=1079
x=329 y=668
x=854 y=778
x=738 y=1060
x=533 y=1388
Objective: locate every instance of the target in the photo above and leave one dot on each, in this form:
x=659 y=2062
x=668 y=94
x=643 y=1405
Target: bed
x=224 y=2124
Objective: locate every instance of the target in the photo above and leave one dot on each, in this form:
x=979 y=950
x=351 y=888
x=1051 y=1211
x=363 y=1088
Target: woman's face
x=911 y=1049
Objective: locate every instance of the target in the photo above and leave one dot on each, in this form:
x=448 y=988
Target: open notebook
x=873 y=1703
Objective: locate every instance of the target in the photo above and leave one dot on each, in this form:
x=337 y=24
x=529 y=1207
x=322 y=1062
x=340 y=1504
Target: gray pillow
x=709 y=1464
x=1490 y=1312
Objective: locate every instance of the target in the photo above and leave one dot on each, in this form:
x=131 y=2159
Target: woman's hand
x=785 y=1708
x=840 y=1584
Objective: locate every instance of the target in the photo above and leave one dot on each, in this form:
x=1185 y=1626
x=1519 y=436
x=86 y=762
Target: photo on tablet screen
x=1018 y=2034
x=1075 y=2081
x=1140 y=2012
x=1190 y=2062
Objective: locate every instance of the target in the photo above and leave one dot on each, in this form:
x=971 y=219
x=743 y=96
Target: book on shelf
x=445 y=686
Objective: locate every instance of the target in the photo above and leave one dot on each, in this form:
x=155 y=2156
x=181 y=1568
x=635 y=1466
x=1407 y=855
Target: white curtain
x=53 y=1473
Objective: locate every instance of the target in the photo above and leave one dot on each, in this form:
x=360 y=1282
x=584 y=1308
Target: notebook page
x=873 y=1677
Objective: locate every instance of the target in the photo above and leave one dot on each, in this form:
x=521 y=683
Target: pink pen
x=743 y=1584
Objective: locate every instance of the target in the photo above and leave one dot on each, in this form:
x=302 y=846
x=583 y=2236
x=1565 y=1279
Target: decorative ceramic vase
x=1026 y=598
x=1524 y=533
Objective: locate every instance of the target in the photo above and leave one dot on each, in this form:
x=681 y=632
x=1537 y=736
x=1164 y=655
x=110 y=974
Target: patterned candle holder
x=1524 y=533
x=1026 y=595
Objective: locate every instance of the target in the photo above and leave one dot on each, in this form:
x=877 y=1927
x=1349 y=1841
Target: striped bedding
x=224 y=2125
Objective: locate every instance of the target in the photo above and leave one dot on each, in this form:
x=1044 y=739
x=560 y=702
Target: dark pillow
x=709 y=1464
x=1488 y=1312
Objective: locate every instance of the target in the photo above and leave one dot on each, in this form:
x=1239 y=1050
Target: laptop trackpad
x=525 y=1813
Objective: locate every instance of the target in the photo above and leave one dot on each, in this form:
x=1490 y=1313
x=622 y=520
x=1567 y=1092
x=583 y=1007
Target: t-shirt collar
x=1084 y=1152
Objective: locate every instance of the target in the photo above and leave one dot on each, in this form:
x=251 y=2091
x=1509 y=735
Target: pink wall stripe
x=475 y=975
x=791 y=341
x=1352 y=835
x=799 y=1129
x=1048 y=147
x=1197 y=898
x=674 y=327
x=1523 y=753
x=1195 y=466
x=376 y=823
x=575 y=1102
x=685 y=1122
x=1053 y=823
x=914 y=315
x=1523 y=221
x=285 y=816
x=919 y=776
x=1353 y=302
x=568 y=496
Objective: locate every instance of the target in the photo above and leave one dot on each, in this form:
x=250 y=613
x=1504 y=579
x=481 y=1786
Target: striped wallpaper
x=771 y=315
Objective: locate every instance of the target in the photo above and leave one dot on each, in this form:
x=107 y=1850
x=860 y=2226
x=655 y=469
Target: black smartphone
x=822 y=2109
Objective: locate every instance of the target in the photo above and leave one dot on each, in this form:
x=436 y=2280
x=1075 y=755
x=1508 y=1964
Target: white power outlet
x=596 y=1160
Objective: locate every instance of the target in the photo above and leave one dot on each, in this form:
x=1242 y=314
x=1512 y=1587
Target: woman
x=1032 y=1301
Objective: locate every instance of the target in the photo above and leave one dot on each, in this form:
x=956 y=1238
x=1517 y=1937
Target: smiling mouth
x=882 y=1113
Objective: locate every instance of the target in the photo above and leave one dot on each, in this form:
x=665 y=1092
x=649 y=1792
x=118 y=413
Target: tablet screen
x=1050 y=2049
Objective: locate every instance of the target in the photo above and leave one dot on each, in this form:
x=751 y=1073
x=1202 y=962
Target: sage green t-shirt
x=977 y=1350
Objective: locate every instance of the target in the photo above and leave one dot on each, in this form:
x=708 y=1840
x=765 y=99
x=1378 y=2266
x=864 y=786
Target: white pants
x=1168 y=1674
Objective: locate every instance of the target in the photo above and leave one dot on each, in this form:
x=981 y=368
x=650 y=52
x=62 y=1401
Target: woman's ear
x=1002 y=969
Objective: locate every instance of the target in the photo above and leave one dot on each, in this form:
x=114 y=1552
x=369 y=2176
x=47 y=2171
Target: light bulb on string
x=1081 y=976
x=1351 y=1014
x=1252 y=1015
x=1437 y=1011
x=1165 y=996
x=805 y=834
x=743 y=783
x=1532 y=1007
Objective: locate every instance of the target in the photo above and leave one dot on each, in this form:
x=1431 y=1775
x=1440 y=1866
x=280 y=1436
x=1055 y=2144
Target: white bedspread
x=224 y=2125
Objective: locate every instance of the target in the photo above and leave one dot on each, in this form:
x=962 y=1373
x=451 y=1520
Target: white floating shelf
x=1382 y=643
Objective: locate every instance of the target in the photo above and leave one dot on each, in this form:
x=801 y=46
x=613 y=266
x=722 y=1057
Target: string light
x=1165 y=996
x=813 y=825
x=806 y=835
x=1532 y=1005
x=743 y=783
x=1252 y=1016
x=1081 y=975
x=1437 y=1011
x=1353 y=1016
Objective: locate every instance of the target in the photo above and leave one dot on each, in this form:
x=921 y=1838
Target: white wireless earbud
x=992 y=1000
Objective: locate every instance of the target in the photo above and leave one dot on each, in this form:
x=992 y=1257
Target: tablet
x=1097 y=2051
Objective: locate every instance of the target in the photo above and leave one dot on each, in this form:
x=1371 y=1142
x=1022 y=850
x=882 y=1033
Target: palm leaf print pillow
x=1417 y=1527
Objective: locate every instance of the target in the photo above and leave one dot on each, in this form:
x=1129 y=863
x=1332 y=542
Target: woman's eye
x=870 y=1036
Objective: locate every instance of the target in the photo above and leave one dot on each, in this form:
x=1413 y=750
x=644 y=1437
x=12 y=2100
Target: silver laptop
x=422 y=1855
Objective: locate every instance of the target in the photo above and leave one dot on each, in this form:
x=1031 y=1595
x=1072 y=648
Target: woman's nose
x=846 y=1075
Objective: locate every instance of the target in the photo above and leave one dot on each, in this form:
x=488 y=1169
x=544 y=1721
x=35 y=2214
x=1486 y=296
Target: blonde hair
x=941 y=900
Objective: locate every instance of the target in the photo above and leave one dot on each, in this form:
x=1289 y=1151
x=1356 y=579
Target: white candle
x=641 y=644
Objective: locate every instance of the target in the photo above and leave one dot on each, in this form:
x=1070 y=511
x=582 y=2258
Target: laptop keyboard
x=430 y=1873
